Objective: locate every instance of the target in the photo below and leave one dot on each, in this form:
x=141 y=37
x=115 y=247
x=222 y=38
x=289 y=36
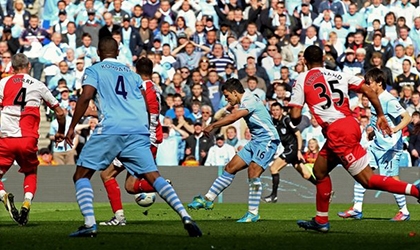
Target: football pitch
x=158 y=227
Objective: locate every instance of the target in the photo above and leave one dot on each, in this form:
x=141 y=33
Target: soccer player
x=20 y=98
x=144 y=68
x=291 y=141
x=123 y=132
x=385 y=151
x=255 y=155
x=325 y=93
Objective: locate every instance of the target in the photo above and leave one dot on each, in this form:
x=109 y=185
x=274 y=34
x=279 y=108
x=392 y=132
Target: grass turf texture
x=50 y=223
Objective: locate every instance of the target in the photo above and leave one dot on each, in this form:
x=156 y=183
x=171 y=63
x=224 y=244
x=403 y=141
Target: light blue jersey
x=258 y=120
x=121 y=106
x=385 y=151
x=392 y=110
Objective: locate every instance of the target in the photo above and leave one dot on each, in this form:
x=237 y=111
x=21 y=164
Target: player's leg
x=403 y=213
x=97 y=154
x=27 y=159
x=275 y=168
x=138 y=161
x=114 y=193
x=221 y=183
x=7 y=156
x=306 y=171
x=324 y=163
x=263 y=153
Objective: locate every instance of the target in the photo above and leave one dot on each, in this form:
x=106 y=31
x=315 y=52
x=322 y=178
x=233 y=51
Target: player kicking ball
x=326 y=94
x=122 y=132
x=385 y=151
x=20 y=98
x=255 y=155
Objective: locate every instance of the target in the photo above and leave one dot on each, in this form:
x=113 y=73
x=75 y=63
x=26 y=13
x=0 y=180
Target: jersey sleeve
x=46 y=94
x=249 y=103
x=394 y=108
x=355 y=82
x=298 y=94
x=90 y=78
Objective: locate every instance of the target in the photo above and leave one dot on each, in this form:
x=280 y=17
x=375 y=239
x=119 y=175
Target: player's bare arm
x=61 y=119
x=381 y=123
x=299 y=142
x=143 y=93
x=81 y=106
x=226 y=120
x=406 y=119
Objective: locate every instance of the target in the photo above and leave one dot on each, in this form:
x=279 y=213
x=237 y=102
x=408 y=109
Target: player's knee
x=105 y=176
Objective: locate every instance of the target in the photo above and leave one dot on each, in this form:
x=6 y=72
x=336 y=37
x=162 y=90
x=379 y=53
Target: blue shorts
x=132 y=150
x=260 y=152
x=388 y=162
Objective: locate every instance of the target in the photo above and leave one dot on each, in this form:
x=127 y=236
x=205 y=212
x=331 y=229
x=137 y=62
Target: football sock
x=141 y=185
x=114 y=194
x=400 y=199
x=2 y=191
x=359 y=193
x=276 y=181
x=29 y=186
x=254 y=196
x=220 y=184
x=323 y=193
x=84 y=197
x=167 y=192
x=389 y=184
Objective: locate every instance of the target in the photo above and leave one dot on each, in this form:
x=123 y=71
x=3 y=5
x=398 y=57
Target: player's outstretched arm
x=381 y=123
x=61 y=120
x=406 y=119
x=229 y=119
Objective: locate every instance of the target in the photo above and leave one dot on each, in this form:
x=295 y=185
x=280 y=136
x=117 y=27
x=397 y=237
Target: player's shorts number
x=323 y=93
x=120 y=87
x=20 y=98
x=260 y=154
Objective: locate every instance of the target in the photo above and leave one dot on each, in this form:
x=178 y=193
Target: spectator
x=206 y=115
x=60 y=26
x=109 y=26
x=79 y=73
x=92 y=26
x=406 y=77
x=242 y=49
x=45 y=158
x=214 y=86
x=230 y=136
x=177 y=86
x=350 y=65
x=414 y=143
x=376 y=61
x=32 y=41
x=63 y=74
x=405 y=95
x=274 y=71
x=146 y=35
x=137 y=17
x=188 y=10
x=195 y=109
x=62 y=154
x=313 y=131
x=118 y=13
x=220 y=154
x=190 y=57
x=151 y=7
x=241 y=143
x=251 y=70
x=190 y=161
x=229 y=72
x=14 y=30
x=124 y=55
x=6 y=65
x=325 y=25
x=353 y=18
x=86 y=51
x=20 y=16
x=197 y=144
x=395 y=62
x=219 y=58
x=73 y=37
x=294 y=47
x=170 y=151
x=415 y=103
x=197 y=95
x=376 y=46
x=403 y=37
x=167 y=36
x=52 y=55
x=312 y=153
x=252 y=83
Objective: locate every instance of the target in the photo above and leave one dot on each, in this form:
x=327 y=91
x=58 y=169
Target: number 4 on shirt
x=20 y=98
x=120 y=87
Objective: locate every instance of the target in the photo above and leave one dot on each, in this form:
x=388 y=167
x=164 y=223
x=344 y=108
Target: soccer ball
x=145 y=199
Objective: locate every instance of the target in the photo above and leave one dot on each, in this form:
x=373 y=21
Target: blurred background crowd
x=196 y=45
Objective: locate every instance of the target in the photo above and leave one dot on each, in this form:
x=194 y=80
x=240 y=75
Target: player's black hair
x=376 y=75
x=313 y=55
x=108 y=45
x=233 y=84
x=144 y=66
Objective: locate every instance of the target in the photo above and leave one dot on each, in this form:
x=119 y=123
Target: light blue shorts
x=388 y=162
x=132 y=150
x=260 y=152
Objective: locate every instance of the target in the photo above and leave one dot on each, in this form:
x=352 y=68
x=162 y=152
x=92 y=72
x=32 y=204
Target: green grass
x=50 y=223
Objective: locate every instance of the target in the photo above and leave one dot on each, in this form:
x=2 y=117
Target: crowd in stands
x=196 y=45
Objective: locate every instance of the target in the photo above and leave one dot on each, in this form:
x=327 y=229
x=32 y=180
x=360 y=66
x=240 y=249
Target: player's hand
x=300 y=156
x=69 y=137
x=59 y=137
x=208 y=130
x=383 y=125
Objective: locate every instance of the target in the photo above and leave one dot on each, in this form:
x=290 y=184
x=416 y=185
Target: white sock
x=2 y=194
x=358 y=206
x=28 y=196
x=404 y=210
x=119 y=214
